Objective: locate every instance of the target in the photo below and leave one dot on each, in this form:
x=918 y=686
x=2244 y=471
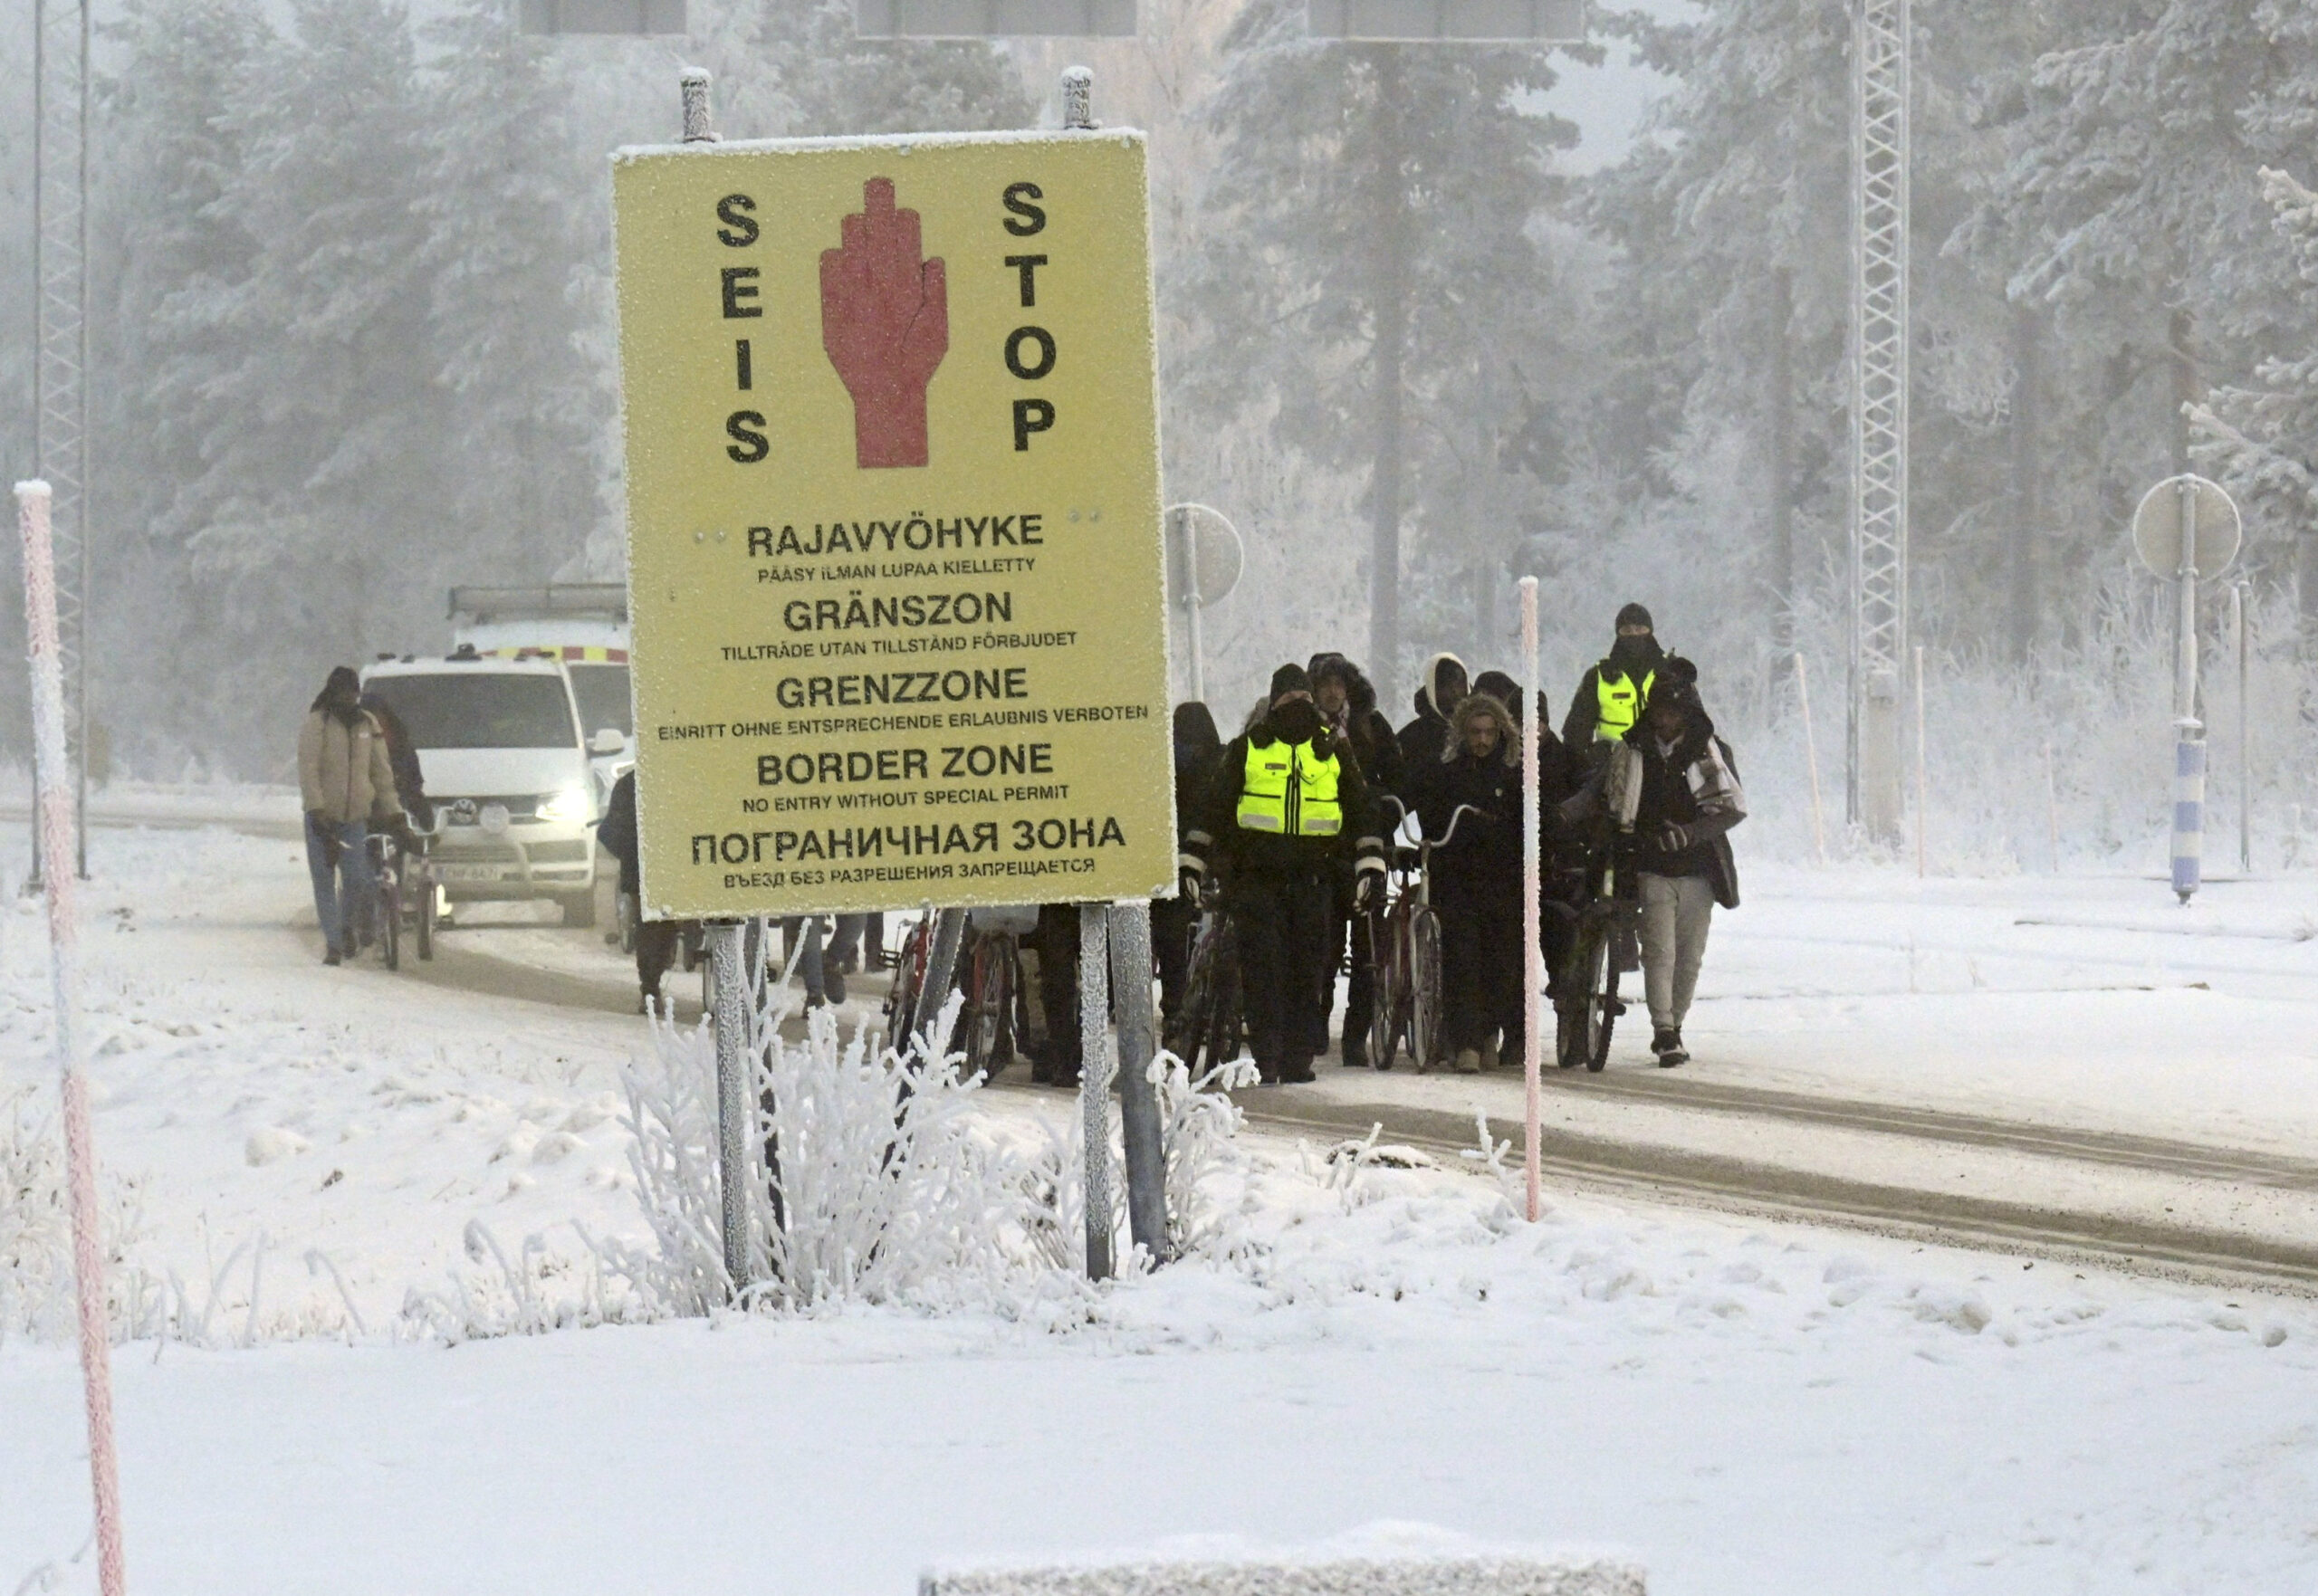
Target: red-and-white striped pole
x=1532 y=877
x=52 y=773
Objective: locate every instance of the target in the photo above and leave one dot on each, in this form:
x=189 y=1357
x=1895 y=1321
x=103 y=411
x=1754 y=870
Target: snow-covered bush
x=869 y=1180
x=36 y=1235
x=1199 y=1121
x=35 y=1226
x=874 y=1179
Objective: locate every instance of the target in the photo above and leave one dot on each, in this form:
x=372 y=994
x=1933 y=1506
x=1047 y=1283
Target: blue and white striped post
x=2189 y=744
x=2189 y=809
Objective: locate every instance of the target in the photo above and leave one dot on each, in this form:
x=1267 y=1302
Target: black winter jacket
x=1693 y=786
x=617 y=831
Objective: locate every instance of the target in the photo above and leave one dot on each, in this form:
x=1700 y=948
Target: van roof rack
x=599 y=600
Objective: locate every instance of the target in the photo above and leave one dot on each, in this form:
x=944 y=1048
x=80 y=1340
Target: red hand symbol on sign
x=886 y=324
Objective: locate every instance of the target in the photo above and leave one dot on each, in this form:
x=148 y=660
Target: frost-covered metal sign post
x=894 y=522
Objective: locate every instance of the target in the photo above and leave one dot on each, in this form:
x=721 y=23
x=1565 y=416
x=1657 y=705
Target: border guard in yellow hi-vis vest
x=1287 y=804
x=1615 y=692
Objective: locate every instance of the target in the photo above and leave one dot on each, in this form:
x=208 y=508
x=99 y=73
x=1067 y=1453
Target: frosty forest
x=352 y=342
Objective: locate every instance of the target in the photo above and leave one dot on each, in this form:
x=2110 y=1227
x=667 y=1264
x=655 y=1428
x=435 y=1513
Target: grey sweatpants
x=1675 y=911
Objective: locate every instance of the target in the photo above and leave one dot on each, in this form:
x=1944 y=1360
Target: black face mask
x=1296 y=721
x=1635 y=654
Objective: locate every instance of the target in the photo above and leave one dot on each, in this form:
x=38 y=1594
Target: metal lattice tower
x=1878 y=408
x=61 y=344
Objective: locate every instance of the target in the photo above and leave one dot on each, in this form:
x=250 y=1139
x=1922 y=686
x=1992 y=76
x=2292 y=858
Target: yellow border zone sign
x=893 y=504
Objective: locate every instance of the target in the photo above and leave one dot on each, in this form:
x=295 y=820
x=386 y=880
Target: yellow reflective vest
x=1620 y=700
x=1288 y=790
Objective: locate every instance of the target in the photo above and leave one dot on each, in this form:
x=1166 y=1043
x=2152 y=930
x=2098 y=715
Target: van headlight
x=569 y=806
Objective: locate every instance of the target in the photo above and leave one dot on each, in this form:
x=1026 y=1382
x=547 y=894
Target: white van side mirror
x=607 y=740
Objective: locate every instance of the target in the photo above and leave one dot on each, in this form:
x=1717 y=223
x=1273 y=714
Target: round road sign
x=1204 y=554
x=2157 y=527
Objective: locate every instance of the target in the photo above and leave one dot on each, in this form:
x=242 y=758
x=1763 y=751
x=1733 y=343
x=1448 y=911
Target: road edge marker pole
x=52 y=777
x=1532 y=911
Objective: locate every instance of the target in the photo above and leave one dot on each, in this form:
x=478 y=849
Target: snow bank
x=1386 y=1558
x=1351 y=1577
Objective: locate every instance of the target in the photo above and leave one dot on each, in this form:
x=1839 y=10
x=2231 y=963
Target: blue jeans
x=354 y=866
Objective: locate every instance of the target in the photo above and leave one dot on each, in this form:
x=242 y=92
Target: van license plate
x=470 y=872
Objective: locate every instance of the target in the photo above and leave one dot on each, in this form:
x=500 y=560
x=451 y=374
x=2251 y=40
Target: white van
x=507 y=766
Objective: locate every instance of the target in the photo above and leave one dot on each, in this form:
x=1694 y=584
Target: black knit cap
x=1289 y=678
x=1633 y=614
x=1677 y=685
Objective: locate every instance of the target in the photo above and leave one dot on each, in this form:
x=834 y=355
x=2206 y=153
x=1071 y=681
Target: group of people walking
x=1294 y=821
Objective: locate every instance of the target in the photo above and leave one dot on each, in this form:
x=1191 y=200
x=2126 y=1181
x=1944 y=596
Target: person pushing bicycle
x=345 y=785
x=1287 y=803
x=1477 y=880
x=1689 y=799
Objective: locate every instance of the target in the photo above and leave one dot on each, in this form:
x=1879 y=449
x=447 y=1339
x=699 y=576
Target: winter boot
x=1666 y=1041
x=1355 y=1053
x=1488 y=1055
x=331 y=955
x=1469 y=1061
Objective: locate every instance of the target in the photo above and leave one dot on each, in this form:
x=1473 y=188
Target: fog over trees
x=352 y=338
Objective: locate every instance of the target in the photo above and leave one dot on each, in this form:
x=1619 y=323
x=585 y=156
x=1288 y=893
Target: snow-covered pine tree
x=1730 y=297
x=328 y=427
x=2127 y=211
x=2262 y=438
x=516 y=216
x=1372 y=287
x=168 y=319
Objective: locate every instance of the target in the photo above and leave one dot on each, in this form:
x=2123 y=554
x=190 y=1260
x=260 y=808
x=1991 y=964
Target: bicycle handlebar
x=1442 y=841
x=1454 y=815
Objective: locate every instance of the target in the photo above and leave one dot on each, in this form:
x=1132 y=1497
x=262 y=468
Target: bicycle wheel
x=423 y=915
x=1608 y=1009
x=1390 y=1019
x=901 y=999
x=389 y=910
x=984 y=1019
x=1189 y=1034
x=1230 y=1023
x=1589 y=985
x=1207 y=1027
x=1425 y=1033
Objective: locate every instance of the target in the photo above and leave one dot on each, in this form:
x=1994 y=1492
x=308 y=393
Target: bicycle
x=386 y=897
x=1406 y=949
x=422 y=898
x=995 y=1018
x=1604 y=944
x=909 y=974
x=1206 y=1028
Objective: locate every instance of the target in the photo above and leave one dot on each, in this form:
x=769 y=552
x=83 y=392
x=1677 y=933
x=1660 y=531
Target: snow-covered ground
x=1746 y=1408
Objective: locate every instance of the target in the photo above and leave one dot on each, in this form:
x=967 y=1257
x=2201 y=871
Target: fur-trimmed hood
x=1470 y=708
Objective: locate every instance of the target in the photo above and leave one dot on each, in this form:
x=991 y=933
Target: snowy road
x=1786 y=1126
x=2077 y=1064
x=1750 y=1407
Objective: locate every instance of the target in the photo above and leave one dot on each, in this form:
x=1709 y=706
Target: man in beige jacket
x=345 y=782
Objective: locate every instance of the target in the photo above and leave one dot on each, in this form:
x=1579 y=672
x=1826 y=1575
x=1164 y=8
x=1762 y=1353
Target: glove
x=1368 y=891
x=1672 y=838
x=1190 y=880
